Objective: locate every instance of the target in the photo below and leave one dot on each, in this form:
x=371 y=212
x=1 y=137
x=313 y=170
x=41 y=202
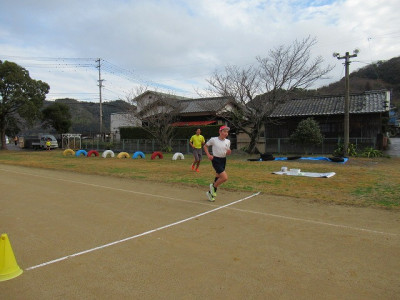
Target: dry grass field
x=359 y=182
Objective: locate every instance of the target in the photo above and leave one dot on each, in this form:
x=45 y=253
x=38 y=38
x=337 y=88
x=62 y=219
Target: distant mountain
x=86 y=115
x=376 y=76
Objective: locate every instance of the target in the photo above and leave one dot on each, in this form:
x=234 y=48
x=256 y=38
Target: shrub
x=167 y=149
x=371 y=152
x=351 y=150
x=307 y=133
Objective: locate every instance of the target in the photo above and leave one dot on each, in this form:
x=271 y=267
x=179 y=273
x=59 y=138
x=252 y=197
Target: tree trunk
x=255 y=134
x=164 y=144
x=3 y=136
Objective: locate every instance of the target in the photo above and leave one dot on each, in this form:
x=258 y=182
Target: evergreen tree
x=21 y=97
x=307 y=134
x=58 y=116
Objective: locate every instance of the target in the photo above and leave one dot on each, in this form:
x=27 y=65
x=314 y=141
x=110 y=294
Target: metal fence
x=276 y=145
x=329 y=145
x=143 y=145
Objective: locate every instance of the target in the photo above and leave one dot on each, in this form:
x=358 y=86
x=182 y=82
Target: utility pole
x=101 y=108
x=346 y=58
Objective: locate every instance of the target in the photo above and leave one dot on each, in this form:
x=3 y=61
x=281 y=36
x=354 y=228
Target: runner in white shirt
x=220 y=149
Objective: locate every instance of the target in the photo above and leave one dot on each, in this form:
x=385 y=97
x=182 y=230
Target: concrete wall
x=119 y=120
x=243 y=140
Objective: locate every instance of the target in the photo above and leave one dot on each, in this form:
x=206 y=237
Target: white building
x=119 y=120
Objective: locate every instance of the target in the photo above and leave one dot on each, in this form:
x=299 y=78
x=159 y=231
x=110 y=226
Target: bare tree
x=274 y=80
x=243 y=85
x=131 y=116
x=287 y=68
x=158 y=117
x=157 y=112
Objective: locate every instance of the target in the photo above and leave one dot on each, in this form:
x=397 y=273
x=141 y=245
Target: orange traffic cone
x=8 y=265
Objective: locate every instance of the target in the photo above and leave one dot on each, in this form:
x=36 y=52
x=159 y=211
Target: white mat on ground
x=306 y=174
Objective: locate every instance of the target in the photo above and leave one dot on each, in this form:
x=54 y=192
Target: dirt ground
x=91 y=237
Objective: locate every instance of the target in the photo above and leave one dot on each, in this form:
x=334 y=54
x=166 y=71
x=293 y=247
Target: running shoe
x=192 y=167
x=197 y=170
x=210 y=197
x=212 y=190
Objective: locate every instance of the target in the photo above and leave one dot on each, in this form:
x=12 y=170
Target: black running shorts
x=219 y=164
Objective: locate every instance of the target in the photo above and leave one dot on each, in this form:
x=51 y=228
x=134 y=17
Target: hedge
x=179 y=132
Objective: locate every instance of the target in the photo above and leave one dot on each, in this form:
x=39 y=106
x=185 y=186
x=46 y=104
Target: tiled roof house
x=192 y=112
x=365 y=103
x=202 y=111
x=367 y=112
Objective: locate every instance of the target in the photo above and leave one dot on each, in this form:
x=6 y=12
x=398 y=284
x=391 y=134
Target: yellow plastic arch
x=123 y=155
x=68 y=151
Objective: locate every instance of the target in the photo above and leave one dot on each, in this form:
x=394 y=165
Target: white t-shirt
x=219 y=147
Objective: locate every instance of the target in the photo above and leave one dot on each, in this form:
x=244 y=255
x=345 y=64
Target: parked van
x=38 y=141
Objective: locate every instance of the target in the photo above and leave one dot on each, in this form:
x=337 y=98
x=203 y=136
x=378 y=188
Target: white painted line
x=315 y=222
x=140 y=235
x=183 y=200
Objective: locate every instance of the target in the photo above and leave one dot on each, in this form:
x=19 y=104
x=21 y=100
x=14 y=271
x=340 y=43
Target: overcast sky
x=175 y=45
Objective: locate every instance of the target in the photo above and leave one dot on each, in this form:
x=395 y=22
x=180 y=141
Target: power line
x=41 y=58
x=82 y=63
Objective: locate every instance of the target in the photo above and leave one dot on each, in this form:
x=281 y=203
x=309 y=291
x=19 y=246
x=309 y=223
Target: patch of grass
x=9 y=158
x=70 y=165
x=361 y=181
x=118 y=170
x=381 y=194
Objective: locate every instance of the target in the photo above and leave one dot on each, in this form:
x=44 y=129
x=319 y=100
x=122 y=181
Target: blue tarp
x=314 y=158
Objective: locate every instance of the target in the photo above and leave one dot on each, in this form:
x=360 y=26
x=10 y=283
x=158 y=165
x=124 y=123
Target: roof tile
x=203 y=105
x=368 y=102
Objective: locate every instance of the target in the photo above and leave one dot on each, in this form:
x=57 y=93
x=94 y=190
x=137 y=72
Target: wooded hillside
x=376 y=76
x=86 y=115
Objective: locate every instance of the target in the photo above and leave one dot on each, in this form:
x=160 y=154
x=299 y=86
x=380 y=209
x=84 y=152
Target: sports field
x=83 y=236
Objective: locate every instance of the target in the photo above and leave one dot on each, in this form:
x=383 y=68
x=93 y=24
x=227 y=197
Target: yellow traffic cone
x=8 y=265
